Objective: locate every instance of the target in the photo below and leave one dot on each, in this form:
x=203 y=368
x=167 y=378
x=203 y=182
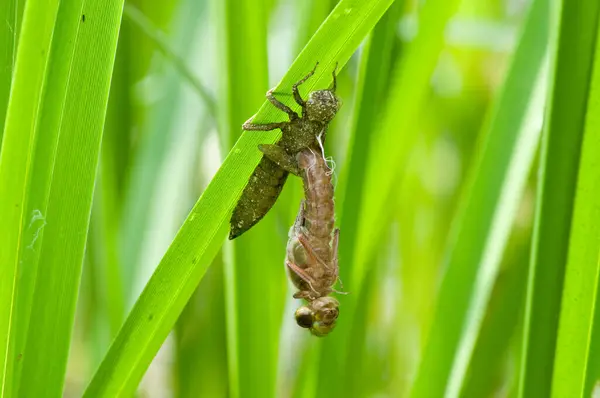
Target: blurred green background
x=437 y=172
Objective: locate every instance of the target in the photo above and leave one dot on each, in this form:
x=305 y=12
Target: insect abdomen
x=319 y=210
x=259 y=195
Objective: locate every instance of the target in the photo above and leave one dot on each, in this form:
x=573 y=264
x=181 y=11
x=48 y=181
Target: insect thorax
x=302 y=133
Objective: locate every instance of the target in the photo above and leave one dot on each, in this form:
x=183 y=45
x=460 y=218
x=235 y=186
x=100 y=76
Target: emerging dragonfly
x=312 y=249
x=300 y=132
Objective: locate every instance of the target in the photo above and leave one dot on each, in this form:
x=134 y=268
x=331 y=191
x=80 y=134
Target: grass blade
x=503 y=318
x=88 y=33
x=8 y=44
x=576 y=364
x=16 y=162
x=202 y=234
x=64 y=105
x=481 y=229
x=558 y=171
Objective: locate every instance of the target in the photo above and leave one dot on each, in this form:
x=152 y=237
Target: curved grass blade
x=481 y=228
x=561 y=143
x=202 y=234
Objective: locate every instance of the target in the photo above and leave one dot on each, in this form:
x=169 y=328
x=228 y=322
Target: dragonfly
x=300 y=132
x=312 y=249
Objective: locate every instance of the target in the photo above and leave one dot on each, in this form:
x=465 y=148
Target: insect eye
x=304 y=317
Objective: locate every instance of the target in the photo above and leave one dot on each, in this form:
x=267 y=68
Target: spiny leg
x=302 y=274
x=334 y=82
x=280 y=157
x=309 y=249
x=334 y=249
x=280 y=105
x=295 y=91
x=249 y=126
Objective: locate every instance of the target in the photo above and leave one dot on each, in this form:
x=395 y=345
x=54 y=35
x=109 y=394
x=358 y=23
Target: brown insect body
x=300 y=132
x=312 y=258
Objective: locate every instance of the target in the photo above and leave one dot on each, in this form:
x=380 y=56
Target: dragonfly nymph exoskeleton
x=300 y=132
x=312 y=249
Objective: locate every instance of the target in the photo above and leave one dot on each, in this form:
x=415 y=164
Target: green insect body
x=300 y=132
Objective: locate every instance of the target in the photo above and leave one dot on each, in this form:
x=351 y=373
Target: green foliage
x=560 y=158
x=483 y=223
x=442 y=210
x=576 y=367
x=48 y=164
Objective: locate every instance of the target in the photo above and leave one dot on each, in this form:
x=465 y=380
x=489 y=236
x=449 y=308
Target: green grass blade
x=16 y=163
x=502 y=320
x=64 y=104
x=576 y=364
x=481 y=229
x=202 y=234
x=558 y=172
x=86 y=36
x=44 y=153
x=8 y=47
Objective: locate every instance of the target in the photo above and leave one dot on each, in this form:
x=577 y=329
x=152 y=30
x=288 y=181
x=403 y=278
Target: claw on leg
x=295 y=91
x=334 y=82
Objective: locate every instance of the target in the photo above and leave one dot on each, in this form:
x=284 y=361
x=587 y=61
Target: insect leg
x=280 y=105
x=334 y=249
x=334 y=82
x=278 y=155
x=311 y=252
x=302 y=274
x=295 y=91
x=249 y=126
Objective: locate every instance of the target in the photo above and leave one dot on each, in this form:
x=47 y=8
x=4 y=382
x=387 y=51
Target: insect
x=300 y=132
x=312 y=249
